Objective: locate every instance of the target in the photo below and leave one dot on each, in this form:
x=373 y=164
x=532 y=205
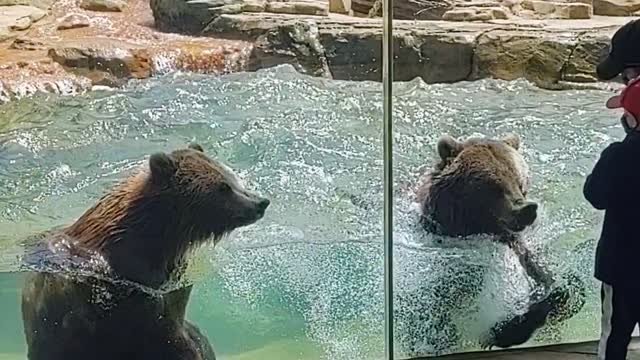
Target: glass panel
x=459 y=204
x=286 y=93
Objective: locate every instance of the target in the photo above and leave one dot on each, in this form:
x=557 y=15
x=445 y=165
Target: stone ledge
x=546 y=52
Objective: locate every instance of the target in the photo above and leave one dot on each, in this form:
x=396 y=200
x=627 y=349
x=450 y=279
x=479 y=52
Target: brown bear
x=479 y=186
x=83 y=304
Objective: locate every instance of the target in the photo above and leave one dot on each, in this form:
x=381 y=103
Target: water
x=306 y=281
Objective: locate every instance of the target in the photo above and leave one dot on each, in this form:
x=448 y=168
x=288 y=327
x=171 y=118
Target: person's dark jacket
x=614 y=186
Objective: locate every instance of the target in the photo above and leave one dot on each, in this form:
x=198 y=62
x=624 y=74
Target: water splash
x=312 y=268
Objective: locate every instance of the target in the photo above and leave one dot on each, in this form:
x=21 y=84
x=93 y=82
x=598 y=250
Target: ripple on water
x=312 y=267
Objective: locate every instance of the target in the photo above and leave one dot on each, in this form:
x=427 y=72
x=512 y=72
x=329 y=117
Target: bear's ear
x=162 y=167
x=448 y=147
x=512 y=140
x=196 y=147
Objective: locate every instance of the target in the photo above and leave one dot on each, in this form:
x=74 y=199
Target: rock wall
x=438 y=52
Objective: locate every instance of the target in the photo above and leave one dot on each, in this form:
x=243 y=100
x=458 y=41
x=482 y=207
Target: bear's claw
x=520 y=328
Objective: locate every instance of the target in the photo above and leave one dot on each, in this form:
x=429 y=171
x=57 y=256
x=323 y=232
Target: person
x=607 y=188
x=610 y=187
x=624 y=54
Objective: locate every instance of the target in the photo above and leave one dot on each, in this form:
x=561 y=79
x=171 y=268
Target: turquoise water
x=306 y=281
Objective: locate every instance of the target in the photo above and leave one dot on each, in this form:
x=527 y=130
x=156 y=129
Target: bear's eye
x=224 y=187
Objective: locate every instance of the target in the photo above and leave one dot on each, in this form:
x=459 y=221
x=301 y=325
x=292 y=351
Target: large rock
x=41 y=4
x=297 y=44
x=18 y=17
x=103 y=5
x=535 y=56
x=547 y=53
x=73 y=21
x=6 y=34
x=559 y=10
x=191 y=16
x=588 y=51
x=408 y=9
x=119 y=61
x=297 y=8
x=615 y=7
x=476 y=14
x=435 y=58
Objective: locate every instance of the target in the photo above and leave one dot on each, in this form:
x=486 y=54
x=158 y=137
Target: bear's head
x=479 y=186
x=147 y=223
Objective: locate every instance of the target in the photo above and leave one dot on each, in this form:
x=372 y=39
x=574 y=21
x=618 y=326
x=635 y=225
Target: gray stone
x=103 y=5
x=297 y=44
x=191 y=16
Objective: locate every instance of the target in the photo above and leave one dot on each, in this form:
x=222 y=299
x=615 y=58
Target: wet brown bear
x=479 y=186
x=142 y=230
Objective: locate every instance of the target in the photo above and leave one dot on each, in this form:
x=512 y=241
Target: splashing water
x=307 y=280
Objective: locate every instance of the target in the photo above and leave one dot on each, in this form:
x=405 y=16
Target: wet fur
x=143 y=229
x=479 y=186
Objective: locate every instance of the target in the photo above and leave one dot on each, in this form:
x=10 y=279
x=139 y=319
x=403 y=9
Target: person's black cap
x=624 y=52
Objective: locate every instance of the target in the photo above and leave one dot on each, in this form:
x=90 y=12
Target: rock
x=41 y=4
x=298 y=8
x=558 y=10
x=24 y=43
x=5 y=34
x=73 y=21
x=118 y=61
x=254 y=6
x=475 y=14
x=408 y=9
x=101 y=78
x=581 y=65
x=103 y=5
x=20 y=24
x=340 y=6
x=436 y=58
x=297 y=44
x=615 y=7
x=531 y=55
x=191 y=16
x=574 y=11
x=17 y=18
x=544 y=53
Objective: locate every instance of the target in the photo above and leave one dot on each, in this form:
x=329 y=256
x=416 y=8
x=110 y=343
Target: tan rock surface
x=476 y=14
x=298 y=7
x=73 y=21
x=615 y=7
x=559 y=10
x=74 y=49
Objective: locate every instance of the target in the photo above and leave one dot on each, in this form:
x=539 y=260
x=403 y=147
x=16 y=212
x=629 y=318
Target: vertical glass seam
x=387 y=80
